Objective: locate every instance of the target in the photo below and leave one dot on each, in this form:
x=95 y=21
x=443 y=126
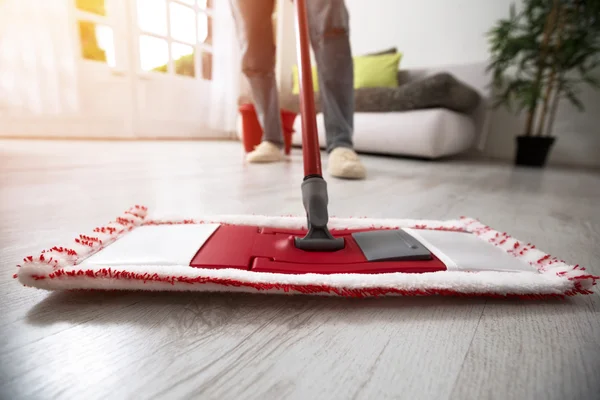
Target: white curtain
x=225 y=85
x=37 y=58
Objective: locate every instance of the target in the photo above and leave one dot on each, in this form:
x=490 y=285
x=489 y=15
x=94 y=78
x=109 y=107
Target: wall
x=429 y=33
x=577 y=133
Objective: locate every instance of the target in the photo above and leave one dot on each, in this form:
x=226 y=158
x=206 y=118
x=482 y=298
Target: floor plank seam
x=468 y=350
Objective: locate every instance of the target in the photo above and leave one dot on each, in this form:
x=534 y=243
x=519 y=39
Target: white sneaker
x=344 y=163
x=265 y=152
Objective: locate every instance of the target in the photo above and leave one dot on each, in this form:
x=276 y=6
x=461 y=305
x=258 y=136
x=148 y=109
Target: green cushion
x=371 y=70
x=376 y=71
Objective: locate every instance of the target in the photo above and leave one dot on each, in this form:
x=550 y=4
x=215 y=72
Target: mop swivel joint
x=315 y=200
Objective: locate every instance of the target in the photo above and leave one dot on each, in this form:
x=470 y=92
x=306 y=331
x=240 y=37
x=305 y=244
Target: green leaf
x=592 y=81
x=515 y=44
x=574 y=100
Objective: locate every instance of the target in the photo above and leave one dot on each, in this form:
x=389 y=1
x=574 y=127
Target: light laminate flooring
x=246 y=346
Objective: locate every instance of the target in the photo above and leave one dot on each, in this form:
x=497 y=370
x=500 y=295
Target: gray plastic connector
x=315 y=200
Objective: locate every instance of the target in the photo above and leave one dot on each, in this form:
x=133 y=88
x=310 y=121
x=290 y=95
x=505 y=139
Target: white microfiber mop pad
x=82 y=264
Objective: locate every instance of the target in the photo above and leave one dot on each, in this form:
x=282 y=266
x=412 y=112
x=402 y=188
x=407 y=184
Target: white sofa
x=430 y=133
x=427 y=133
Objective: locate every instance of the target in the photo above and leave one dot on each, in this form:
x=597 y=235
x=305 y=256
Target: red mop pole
x=311 y=152
x=314 y=187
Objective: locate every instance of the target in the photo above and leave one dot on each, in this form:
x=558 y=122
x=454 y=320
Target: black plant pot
x=532 y=151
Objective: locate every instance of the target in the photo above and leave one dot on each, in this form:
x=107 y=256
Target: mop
x=311 y=255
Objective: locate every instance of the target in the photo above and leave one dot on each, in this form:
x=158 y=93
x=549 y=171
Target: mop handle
x=311 y=151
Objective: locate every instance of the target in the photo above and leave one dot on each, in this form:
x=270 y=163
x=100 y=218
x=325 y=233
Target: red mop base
x=273 y=250
x=133 y=252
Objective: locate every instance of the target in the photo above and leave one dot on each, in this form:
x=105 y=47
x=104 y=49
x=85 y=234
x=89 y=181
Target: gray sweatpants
x=328 y=22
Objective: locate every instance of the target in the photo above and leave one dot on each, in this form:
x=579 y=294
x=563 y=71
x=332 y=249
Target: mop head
x=139 y=253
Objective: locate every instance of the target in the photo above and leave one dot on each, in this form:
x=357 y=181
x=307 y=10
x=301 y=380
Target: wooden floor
x=209 y=346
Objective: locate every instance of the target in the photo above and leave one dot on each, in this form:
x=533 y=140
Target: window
x=175 y=37
x=95 y=33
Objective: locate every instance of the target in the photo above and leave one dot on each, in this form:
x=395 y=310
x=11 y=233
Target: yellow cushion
x=369 y=71
x=376 y=71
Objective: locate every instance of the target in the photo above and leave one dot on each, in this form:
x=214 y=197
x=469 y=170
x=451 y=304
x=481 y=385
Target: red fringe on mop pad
x=135 y=252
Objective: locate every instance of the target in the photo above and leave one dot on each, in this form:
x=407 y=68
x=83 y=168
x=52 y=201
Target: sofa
x=433 y=113
x=429 y=130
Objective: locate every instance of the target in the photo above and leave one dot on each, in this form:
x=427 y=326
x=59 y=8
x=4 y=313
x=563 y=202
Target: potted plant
x=539 y=55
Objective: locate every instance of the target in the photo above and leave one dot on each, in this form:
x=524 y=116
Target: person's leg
x=253 y=19
x=330 y=38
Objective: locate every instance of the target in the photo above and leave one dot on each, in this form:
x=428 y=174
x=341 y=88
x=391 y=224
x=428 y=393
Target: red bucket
x=252 y=131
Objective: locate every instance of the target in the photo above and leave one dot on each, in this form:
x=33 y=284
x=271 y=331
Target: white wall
x=577 y=133
x=428 y=32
